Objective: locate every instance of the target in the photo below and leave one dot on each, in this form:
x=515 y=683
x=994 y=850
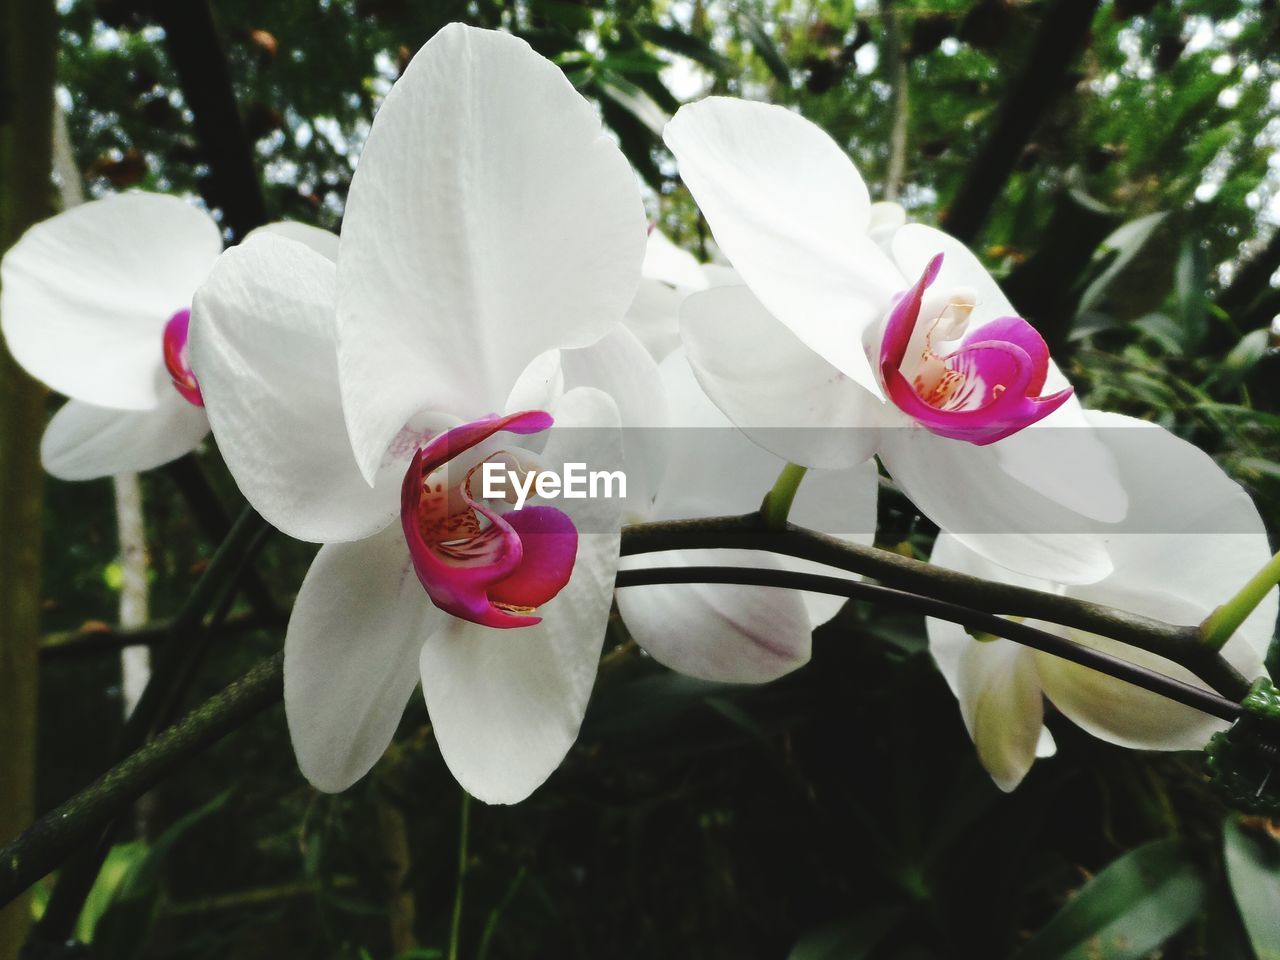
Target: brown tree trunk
x=27 y=45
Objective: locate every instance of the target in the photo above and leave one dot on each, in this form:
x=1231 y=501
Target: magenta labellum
x=476 y=563
x=985 y=389
x=177 y=358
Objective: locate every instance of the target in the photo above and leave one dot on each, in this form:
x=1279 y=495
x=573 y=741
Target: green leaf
x=851 y=939
x=1116 y=252
x=633 y=100
x=1188 y=284
x=124 y=927
x=1129 y=909
x=1253 y=869
x=685 y=44
x=754 y=31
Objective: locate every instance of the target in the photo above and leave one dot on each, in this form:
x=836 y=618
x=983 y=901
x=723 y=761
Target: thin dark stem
x=195 y=49
x=1176 y=690
x=205 y=506
x=1178 y=643
x=169 y=682
x=43 y=845
x=89 y=641
x=1062 y=33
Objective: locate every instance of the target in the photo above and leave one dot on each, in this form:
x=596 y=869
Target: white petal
x=728 y=633
x=915 y=244
x=539 y=386
x=654 y=317
x=323 y=242
x=84 y=296
x=841 y=503
x=84 y=442
x=262 y=347
x=791 y=212
x=1119 y=712
x=671 y=265
x=775 y=389
x=490 y=219
x=1191 y=531
x=619 y=365
x=507 y=704
x=995 y=682
x=964 y=489
x=351 y=656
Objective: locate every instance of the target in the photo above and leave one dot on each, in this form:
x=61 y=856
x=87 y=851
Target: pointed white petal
x=506 y=705
x=351 y=656
x=84 y=296
x=1119 y=712
x=671 y=265
x=965 y=490
x=775 y=389
x=994 y=681
x=262 y=347
x=84 y=442
x=490 y=219
x=791 y=212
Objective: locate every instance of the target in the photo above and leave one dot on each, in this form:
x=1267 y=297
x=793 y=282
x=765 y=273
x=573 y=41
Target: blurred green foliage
x=840 y=813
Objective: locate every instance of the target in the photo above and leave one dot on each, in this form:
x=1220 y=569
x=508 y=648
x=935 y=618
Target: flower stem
x=464 y=829
x=777 y=502
x=1222 y=624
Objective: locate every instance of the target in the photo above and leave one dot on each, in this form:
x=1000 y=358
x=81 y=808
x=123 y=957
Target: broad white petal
x=1190 y=532
x=619 y=365
x=262 y=347
x=964 y=489
x=84 y=442
x=915 y=244
x=84 y=296
x=728 y=633
x=506 y=705
x=791 y=212
x=323 y=242
x=1119 y=712
x=775 y=389
x=351 y=656
x=490 y=219
x=994 y=681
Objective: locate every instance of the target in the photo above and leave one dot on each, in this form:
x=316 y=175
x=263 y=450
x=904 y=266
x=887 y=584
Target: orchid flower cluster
x=496 y=296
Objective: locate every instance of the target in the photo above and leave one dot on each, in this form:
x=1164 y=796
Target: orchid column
x=490 y=221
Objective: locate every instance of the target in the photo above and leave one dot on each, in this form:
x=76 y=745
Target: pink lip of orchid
x=987 y=389
x=476 y=564
x=177 y=358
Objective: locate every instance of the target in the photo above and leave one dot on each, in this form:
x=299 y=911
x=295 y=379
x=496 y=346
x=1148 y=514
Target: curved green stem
x=464 y=831
x=777 y=502
x=1222 y=624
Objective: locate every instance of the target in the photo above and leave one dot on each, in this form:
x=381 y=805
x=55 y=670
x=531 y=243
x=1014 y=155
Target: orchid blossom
x=490 y=225
x=1191 y=538
x=95 y=303
x=852 y=336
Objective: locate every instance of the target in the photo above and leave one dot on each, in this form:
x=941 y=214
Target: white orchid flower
x=913 y=355
x=96 y=302
x=489 y=221
x=1191 y=539
x=722 y=632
